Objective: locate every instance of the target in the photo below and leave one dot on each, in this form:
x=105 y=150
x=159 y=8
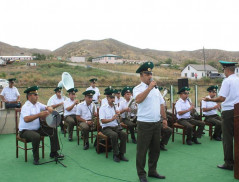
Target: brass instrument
x=133 y=110
x=94 y=118
x=193 y=112
x=118 y=118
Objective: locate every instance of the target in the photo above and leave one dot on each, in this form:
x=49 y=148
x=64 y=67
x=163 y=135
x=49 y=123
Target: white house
x=108 y=58
x=192 y=71
x=2 y=62
x=77 y=59
x=11 y=58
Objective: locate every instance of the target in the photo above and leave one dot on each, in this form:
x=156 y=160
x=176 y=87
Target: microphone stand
x=56 y=159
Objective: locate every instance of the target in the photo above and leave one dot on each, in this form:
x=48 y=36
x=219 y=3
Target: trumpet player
x=210 y=112
x=70 y=111
x=183 y=109
x=85 y=113
x=109 y=114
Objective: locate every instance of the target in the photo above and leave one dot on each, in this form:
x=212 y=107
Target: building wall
x=16 y=58
x=77 y=59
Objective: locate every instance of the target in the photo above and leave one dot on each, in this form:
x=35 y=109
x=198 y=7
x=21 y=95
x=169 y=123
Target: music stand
x=53 y=120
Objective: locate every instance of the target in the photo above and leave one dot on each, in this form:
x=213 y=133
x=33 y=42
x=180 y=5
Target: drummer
x=58 y=104
x=32 y=126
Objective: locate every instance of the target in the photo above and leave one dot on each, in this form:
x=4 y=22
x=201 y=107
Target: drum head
x=53 y=120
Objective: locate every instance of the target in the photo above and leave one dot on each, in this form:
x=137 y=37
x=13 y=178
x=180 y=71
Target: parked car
x=3 y=83
x=216 y=75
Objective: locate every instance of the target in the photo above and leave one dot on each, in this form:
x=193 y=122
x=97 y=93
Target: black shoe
x=216 y=138
x=224 y=166
x=143 y=179
x=123 y=158
x=162 y=147
x=134 y=141
x=36 y=162
x=86 y=147
x=116 y=158
x=56 y=154
x=189 y=142
x=70 y=139
x=156 y=175
x=195 y=140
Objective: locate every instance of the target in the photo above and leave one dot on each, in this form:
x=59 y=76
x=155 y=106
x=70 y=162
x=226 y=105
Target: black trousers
x=34 y=136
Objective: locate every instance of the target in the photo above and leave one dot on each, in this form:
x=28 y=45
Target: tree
x=90 y=59
x=168 y=61
x=37 y=56
x=187 y=62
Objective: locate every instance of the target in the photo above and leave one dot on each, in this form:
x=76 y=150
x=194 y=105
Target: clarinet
x=118 y=121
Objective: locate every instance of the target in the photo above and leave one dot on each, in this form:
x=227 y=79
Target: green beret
x=31 y=90
x=146 y=67
x=227 y=63
x=12 y=79
x=89 y=92
x=72 y=90
x=57 y=89
x=212 y=88
x=183 y=89
x=93 y=80
x=109 y=92
x=117 y=91
x=160 y=88
x=126 y=90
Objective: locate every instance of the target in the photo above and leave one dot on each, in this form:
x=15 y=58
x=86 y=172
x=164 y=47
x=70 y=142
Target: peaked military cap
x=117 y=91
x=109 y=88
x=57 y=89
x=160 y=88
x=89 y=92
x=32 y=90
x=183 y=89
x=146 y=67
x=126 y=90
x=212 y=88
x=72 y=90
x=227 y=63
x=93 y=80
x=12 y=79
x=109 y=92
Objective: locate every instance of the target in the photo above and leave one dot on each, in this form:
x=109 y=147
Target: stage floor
x=181 y=163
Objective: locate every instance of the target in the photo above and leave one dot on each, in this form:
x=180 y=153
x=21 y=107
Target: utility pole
x=204 y=62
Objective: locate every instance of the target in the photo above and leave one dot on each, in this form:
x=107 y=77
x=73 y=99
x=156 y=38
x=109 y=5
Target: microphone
x=151 y=79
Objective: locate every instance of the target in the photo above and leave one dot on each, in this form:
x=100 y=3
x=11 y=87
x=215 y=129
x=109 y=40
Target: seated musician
x=183 y=109
x=123 y=108
x=105 y=101
x=10 y=95
x=109 y=114
x=57 y=104
x=166 y=131
x=31 y=128
x=85 y=113
x=210 y=112
x=70 y=112
x=118 y=99
x=96 y=96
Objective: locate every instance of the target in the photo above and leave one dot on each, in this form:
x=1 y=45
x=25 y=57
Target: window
x=202 y=74
x=186 y=75
x=188 y=67
x=192 y=74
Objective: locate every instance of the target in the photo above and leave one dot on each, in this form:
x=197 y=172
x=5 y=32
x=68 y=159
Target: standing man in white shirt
x=96 y=96
x=109 y=114
x=10 y=95
x=58 y=104
x=85 y=114
x=183 y=109
x=150 y=114
x=118 y=99
x=210 y=112
x=105 y=101
x=31 y=128
x=229 y=96
x=70 y=111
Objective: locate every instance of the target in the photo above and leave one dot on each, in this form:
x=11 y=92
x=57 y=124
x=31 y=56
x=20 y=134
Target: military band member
x=85 y=113
x=70 y=111
x=31 y=128
x=150 y=110
x=210 y=112
x=96 y=96
x=118 y=99
x=127 y=93
x=109 y=114
x=10 y=95
x=229 y=96
x=58 y=104
x=105 y=101
x=183 y=109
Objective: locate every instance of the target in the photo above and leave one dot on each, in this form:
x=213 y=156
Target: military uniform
x=96 y=89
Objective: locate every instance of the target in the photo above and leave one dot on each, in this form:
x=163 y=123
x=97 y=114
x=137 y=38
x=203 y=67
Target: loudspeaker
x=183 y=82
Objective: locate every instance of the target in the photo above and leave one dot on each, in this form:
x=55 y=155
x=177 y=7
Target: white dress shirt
x=55 y=101
x=104 y=101
x=149 y=109
x=117 y=101
x=97 y=93
x=229 y=90
x=209 y=104
x=67 y=104
x=10 y=94
x=107 y=112
x=28 y=109
x=85 y=111
x=182 y=105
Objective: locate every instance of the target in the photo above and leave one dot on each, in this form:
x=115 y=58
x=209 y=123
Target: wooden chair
x=177 y=126
x=18 y=138
x=91 y=135
x=210 y=125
